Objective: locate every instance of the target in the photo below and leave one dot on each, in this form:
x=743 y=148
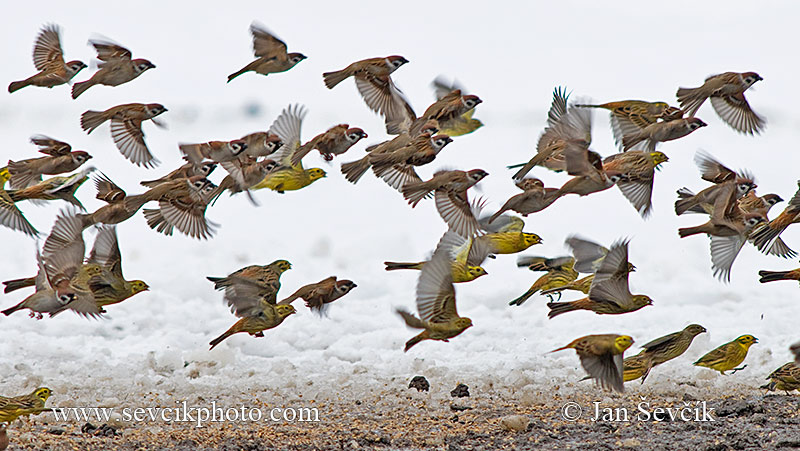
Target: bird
x=33 y=403
x=795 y=348
x=727 y=239
x=271 y=54
x=374 y=83
x=335 y=141
x=243 y=174
x=396 y=167
x=587 y=168
x=588 y=257
x=60 y=159
x=216 y=151
x=115 y=68
x=261 y=144
x=601 y=356
x=466 y=257
x=609 y=293
x=636 y=367
x=753 y=203
x=111 y=287
x=717 y=200
x=54 y=188
x=251 y=292
x=48 y=58
x=786 y=378
x=460 y=125
x=766 y=238
x=62 y=280
x=636 y=183
x=533 y=198
x=182 y=204
x=504 y=235
x=558 y=272
x=668 y=347
x=265 y=279
x=289 y=177
x=726 y=92
x=116 y=209
x=184 y=210
x=126 y=129
x=565 y=126
x=727 y=356
x=450 y=193
x=204 y=168
x=447 y=111
x=436 y=303
x=661 y=132
x=354 y=170
x=318 y=296
x=629 y=116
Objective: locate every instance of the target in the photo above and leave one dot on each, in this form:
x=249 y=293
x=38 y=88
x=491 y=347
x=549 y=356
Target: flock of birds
x=68 y=280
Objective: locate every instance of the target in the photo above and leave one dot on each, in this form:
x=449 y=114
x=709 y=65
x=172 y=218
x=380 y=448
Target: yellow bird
x=288 y=177
x=505 y=235
x=559 y=271
x=17 y=406
x=601 y=356
x=466 y=257
x=786 y=378
x=727 y=356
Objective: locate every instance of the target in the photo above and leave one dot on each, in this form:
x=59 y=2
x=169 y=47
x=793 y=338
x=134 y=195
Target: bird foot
x=327 y=157
x=259 y=334
x=737 y=369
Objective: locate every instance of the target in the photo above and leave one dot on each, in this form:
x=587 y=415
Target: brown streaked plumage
x=126 y=129
x=116 y=67
x=48 y=58
x=318 y=295
x=272 y=57
x=726 y=92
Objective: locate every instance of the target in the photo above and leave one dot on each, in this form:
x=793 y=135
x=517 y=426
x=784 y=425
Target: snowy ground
x=512 y=56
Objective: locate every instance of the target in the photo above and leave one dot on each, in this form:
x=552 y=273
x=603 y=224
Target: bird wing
x=588 y=255
x=605 y=369
x=105 y=251
x=724 y=250
x=50 y=146
x=287 y=126
x=436 y=296
x=455 y=209
x=610 y=282
x=639 y=193
x=129 y=138
x=47 y=50
x=383 y=97
x=265 y=44
x=736 y=112
x=711 y=169
x=110 y=51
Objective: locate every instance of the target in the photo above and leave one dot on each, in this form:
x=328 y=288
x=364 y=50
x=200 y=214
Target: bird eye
x=470 y=103
x=198 y=184
x=65 y=299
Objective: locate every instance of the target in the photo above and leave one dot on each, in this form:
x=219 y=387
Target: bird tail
x=17 y=85
x=391 y=266
x=689 y=231
x=221 y=338
x=415 y=340
x=764 y=236
x=354 y=170
x=690 y=100
x=237 y=73
x=628 y=141
x=411 y=320
x=81 y=87
x=685 y=202
x=498 y=214
x=13 y=309
x=521 y=300
x=16 y=284
x=770 y=386
x=766 y=276
x=334 y=78
x=558 y=308
x=90 y=120
x=415 y=192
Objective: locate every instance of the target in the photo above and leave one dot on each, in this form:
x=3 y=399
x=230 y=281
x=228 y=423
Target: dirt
x=409 y=420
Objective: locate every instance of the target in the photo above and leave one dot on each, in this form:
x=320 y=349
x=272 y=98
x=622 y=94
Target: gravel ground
x=410 y=420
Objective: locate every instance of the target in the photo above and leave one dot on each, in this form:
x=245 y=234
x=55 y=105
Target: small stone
x=515 y=423
x=420 y=383
x=630 y=443
x=461 y=391
x=88 y=428
x=56 y=431
x=459 y=408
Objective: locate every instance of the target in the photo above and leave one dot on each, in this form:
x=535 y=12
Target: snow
x=512 y=56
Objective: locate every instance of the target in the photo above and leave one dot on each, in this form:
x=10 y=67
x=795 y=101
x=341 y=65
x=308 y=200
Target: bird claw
x=737 y=369
x=327 y=157
x=259 y=334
